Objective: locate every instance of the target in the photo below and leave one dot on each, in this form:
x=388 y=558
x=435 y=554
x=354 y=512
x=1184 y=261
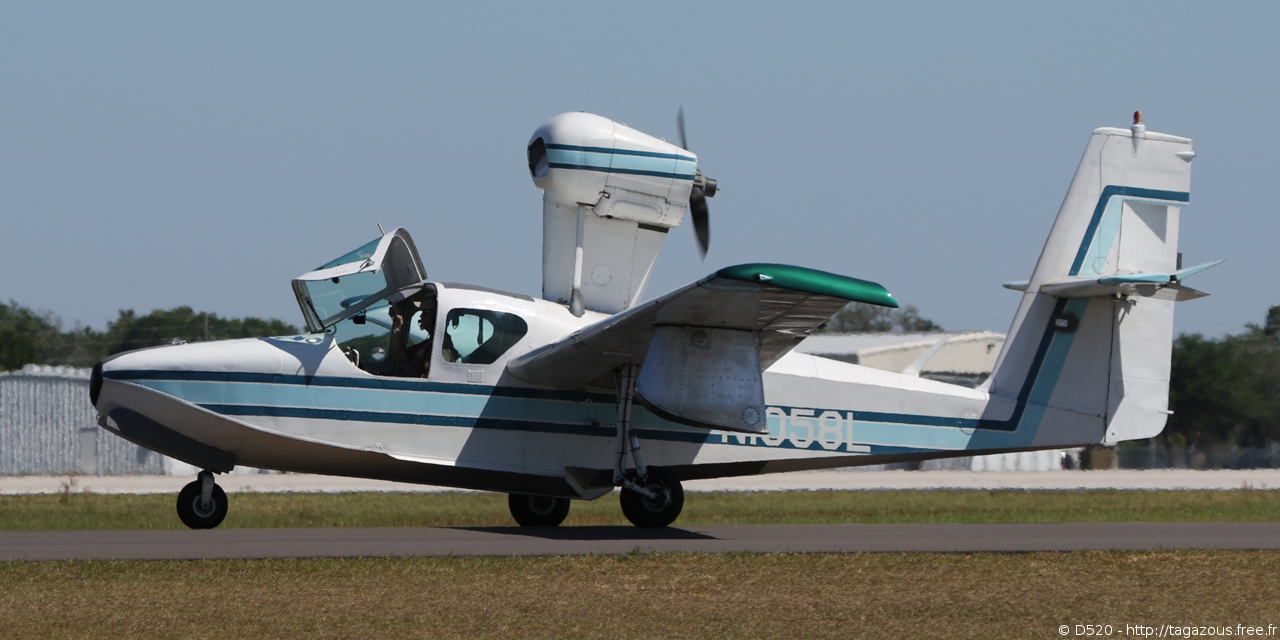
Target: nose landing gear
x=202 y=504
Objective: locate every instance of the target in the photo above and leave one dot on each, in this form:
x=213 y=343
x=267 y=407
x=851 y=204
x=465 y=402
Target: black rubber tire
x=537 y=511
x=643 y=512
x=192 y=515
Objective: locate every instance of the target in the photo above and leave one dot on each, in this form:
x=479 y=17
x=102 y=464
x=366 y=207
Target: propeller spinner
x=703 y=188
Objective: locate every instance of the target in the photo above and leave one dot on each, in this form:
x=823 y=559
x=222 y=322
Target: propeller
x=703 y=188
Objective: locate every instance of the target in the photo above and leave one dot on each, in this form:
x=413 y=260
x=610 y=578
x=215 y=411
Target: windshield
x=348 y=284
x=330 y=297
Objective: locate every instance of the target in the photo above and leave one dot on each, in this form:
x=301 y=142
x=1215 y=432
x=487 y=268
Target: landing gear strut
x=202 y=504
x=651 y=496
x=537 y=511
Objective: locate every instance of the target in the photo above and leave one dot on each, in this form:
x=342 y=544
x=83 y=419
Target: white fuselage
x=299 y=403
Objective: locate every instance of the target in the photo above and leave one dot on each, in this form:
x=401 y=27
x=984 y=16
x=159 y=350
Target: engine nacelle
x=610 y=194
x=581 y=158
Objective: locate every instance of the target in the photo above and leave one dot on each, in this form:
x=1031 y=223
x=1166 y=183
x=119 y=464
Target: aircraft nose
x=95 y=383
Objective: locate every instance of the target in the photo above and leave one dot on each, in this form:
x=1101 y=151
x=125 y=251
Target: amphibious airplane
x=551 y=399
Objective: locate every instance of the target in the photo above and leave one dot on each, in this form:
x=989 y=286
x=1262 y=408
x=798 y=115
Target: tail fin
x=1094 y=332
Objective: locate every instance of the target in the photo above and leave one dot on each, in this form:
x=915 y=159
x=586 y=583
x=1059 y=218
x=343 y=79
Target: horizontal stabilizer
x=1162 y=286
x=1156 y=278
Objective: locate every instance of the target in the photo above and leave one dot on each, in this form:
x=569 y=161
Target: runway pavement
x=501 y=541
x=516 y=541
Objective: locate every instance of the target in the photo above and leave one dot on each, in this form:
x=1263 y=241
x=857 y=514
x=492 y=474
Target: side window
x=479 y=336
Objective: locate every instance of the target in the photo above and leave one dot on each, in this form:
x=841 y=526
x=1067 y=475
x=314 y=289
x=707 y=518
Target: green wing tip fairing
x=811 y=281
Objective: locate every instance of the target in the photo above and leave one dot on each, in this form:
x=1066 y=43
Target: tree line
x=858 y=317
x=28 y=336
x=1226 y=391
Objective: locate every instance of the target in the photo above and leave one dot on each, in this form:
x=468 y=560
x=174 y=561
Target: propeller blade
x=684 y=142
x=701 y=219
x=703 y=188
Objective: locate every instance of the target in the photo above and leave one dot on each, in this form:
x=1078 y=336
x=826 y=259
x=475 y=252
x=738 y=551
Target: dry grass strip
x=641 y=596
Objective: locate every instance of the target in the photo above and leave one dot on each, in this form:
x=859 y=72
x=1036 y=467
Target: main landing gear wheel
x=643 y=511
x=195 y=510
x=537 y=511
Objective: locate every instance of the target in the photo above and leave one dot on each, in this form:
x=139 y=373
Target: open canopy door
x=352 y=282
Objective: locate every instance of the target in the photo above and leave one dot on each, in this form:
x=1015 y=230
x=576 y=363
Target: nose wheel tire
x=198 y=514
x=643 y=511
x=537 y=511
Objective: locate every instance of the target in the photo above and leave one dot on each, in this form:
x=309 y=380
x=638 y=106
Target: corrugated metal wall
x=48 y=427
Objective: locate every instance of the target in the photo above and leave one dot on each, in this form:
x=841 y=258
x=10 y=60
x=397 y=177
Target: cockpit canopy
x=386 y=268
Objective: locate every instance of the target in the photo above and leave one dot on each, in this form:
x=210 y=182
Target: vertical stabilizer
x=1094 y=332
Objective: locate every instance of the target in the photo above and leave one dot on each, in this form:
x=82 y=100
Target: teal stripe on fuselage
x=362 y=382
x=668 y=433
x=382 y=401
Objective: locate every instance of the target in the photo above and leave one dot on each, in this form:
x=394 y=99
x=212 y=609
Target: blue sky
x=162 y=154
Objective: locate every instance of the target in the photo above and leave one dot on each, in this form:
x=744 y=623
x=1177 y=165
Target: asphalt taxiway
x=516 y=541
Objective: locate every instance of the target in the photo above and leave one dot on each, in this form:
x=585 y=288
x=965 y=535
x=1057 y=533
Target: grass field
x=277 y=510
x=648 y=595
x=642 y=596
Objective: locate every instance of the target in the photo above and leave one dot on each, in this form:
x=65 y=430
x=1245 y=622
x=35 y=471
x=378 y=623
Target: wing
x=703 y=347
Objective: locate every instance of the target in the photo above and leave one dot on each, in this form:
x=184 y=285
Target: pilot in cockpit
x=416 y=356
